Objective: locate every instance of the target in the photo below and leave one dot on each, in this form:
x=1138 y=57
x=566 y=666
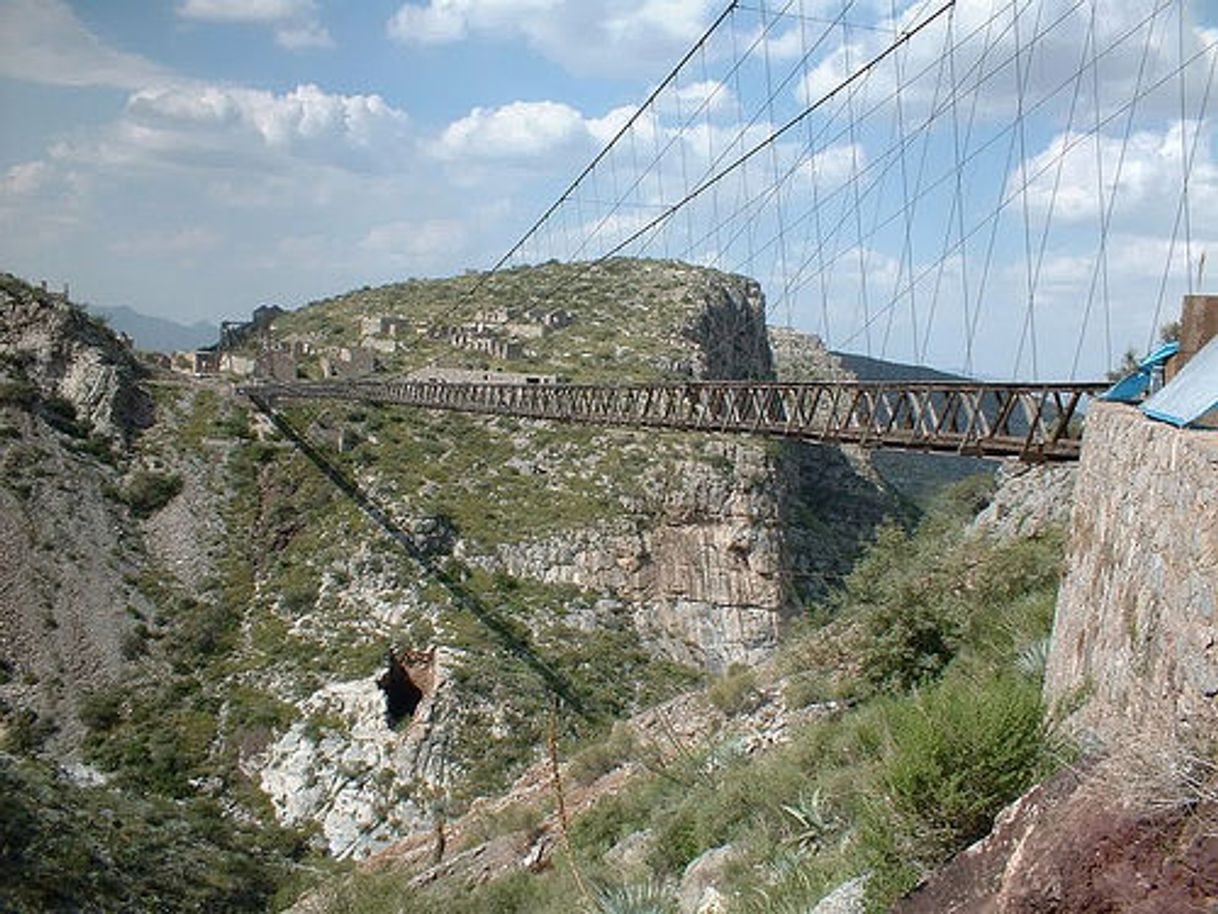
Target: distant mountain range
x=866 y=368
x=157 y=334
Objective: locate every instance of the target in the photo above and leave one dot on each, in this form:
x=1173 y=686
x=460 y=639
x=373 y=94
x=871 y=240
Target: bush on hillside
x=146 y=492
x=736 y=691
x=71 y=848
x=957 y=754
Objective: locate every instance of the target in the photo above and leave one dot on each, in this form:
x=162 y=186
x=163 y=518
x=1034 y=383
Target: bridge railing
x=1031 y=421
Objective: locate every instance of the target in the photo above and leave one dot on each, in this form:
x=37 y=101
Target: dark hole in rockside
x=402 y=696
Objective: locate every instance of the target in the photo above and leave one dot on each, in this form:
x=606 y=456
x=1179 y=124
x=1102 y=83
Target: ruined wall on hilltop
x=1136 y=636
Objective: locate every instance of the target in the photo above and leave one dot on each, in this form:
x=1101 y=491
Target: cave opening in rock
x=402 y=695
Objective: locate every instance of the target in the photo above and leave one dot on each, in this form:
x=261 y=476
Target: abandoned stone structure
x=498 y=332
x=235 y=333
x=276 y=365
x=348 y=362
x=387 y=345
x=384 y=325
x=485 y=342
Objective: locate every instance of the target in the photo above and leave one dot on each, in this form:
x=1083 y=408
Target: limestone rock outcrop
x=1030 y=499
x=345 y=763
x=66 y=353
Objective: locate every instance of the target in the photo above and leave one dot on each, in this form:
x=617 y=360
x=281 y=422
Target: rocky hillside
x=609 y=567
x=70 y=401
x=355 y=622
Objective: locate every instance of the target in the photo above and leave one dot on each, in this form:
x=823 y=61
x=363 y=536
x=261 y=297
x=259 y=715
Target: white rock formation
x=343 y=766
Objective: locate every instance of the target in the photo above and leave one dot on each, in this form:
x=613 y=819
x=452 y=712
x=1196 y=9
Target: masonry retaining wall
x=1135 y=639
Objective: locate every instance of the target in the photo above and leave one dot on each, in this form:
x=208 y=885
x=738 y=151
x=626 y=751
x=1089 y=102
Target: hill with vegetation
x=620 y=319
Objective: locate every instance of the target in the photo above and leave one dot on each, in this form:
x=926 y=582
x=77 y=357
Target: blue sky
x=195 y=158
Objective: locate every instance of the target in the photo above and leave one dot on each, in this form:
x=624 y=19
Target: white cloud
x=42 y=41
x=701 y=97
x=433 y=24
x=219 y=125
x=185 y=242
x=520 y=130
x=303 y=37
x=296 y=22
x=584 y=36
x=24 y=179
x=1066 y=175
x=246 y=10
x=833 y=167
x=1131 y=41
x=428 y=241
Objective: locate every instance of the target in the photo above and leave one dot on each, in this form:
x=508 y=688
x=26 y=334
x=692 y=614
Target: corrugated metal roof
x=1192 y=393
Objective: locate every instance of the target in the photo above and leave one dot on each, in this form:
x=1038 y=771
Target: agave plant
x=1033 y=658
x=638 y=898
x=814 y=819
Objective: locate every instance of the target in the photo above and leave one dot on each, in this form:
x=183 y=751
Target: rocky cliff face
x=63 y=352
x=722 y=552
x=344 y=767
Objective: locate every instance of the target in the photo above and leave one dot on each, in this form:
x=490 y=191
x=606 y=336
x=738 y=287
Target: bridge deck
x=1034 y=422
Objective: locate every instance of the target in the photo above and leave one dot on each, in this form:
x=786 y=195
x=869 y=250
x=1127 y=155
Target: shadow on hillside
x=829 y=510
x=445 y=574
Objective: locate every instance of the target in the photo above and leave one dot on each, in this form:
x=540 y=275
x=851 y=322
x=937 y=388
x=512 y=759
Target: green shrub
x=60 y=414
x=202 y=630
x=602 y=757
x=513 y=818
x=902 y=591
x=135 y=642
x=146 y=492
x=637 y=898
x=809 y=688
x=101 y=709
x=70 y=848
x=299 y=595
x=21 y=394
x=957 y=754
x=23 y=731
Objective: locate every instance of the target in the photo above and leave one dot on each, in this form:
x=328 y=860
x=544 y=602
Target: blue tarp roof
x=1132 y=387
x=1129 y=389
x=1192 y=393
x=1160 y=355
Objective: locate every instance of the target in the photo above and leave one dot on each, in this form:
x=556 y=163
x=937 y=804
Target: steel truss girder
x=1035 y=422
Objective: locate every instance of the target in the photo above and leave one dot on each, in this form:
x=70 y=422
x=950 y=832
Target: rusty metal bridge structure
x=1034 y=422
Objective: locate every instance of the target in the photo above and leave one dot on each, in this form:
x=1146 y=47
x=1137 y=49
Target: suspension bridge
x=1008 y=189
